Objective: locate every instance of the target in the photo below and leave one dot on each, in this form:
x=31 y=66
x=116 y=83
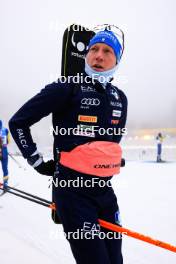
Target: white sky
x=31 y=42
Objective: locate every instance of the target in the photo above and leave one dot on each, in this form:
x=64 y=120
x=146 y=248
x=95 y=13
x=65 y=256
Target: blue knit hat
x=109 y=38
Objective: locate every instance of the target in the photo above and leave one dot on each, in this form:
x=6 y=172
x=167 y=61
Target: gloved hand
x=45 y=168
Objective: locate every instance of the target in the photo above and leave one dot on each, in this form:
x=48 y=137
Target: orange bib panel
x=100 y=158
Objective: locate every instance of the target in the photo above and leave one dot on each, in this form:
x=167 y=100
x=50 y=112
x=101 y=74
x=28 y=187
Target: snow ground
x=147 y=198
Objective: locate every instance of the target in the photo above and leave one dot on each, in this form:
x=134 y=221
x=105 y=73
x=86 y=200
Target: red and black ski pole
x=105 y=224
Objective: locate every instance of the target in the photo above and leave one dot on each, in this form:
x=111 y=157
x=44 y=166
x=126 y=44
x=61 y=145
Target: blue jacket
x=4 y=141
x=80 y=106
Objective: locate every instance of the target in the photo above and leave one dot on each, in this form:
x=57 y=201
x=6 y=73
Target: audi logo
x=90 y=101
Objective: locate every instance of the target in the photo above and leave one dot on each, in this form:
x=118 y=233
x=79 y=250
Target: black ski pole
x=29 y=194
x=50 y=205
x=17 y=162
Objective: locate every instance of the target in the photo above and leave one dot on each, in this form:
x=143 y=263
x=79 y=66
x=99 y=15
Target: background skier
x=159 y=140
x=4 y=140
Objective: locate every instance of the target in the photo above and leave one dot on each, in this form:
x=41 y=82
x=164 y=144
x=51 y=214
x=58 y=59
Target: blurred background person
x=159 y=139
x=4 y=140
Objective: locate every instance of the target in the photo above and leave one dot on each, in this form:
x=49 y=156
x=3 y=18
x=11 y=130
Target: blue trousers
x=79 y=209
x=159 y=149
x=4 y=161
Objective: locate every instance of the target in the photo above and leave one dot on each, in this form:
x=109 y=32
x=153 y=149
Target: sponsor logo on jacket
x=88 y=119
x=85 y=130
x=90 y=101
x=115 y=94
x=114 y=121
x=106 y=166
x=114 y=103
x=87 y=89
x=21 y=137
x=116 y=113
